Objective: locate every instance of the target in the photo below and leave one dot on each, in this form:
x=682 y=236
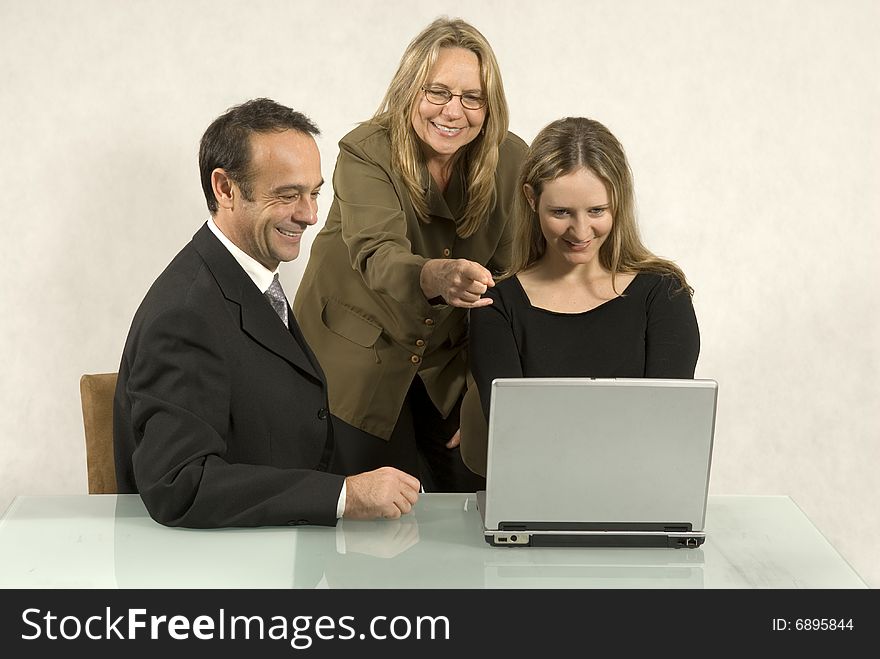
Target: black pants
x=417 y=446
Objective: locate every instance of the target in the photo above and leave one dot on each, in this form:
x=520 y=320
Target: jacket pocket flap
x=350 y=325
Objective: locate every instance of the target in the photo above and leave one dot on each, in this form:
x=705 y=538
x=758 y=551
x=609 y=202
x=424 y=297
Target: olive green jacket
x=360 y=304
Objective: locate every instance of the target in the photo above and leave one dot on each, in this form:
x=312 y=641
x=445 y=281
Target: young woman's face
x=444 y=129
x=575 y=216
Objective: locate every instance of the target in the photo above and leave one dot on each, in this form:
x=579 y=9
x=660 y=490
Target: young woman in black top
x=584 y=297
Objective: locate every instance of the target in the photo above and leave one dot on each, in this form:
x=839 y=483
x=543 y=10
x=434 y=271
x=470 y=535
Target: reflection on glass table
x=109 y=541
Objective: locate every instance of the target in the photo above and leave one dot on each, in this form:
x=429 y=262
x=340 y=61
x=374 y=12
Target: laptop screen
x=570 y=453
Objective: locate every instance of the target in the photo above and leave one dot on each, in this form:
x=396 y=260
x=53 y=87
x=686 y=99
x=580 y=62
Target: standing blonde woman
x=587 y=298
x=417 y=231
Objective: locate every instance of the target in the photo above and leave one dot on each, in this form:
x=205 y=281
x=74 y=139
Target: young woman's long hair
x=566 y=146
x=480 y=156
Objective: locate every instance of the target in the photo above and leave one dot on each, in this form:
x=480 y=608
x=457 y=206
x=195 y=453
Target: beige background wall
x=752 y=128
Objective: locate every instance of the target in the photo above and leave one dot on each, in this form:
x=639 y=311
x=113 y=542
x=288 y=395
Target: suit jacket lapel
x=303 y=344
x=258 y=318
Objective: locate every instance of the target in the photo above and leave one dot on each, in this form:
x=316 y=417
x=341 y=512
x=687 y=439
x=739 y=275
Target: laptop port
x=519 y=539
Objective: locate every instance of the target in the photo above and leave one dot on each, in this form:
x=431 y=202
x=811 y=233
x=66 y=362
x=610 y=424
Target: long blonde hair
x=565 y=146
x=481 y=155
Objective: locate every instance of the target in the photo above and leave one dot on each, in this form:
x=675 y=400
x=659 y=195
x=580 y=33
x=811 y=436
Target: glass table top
x=109 y=541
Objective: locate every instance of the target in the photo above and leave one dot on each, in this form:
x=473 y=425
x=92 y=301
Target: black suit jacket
x=220 y=415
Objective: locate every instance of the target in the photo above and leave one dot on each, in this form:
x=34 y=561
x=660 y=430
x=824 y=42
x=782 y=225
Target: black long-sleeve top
x=648 y=332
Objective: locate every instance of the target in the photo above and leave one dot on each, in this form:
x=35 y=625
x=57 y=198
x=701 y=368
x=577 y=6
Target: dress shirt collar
x=259 y=274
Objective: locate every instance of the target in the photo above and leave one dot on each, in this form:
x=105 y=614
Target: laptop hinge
x=677 y=528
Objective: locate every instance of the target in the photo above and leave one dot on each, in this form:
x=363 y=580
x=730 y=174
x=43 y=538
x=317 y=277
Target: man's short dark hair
x=226 y=142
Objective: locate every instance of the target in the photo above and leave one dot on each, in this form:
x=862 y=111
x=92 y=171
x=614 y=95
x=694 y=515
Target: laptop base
x=525 y=539
x=675 y=536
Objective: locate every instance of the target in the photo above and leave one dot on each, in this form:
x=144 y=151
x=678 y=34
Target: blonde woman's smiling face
x=575 y=216
x=444 y=129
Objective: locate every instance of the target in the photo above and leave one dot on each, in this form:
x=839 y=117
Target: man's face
x=285 y=182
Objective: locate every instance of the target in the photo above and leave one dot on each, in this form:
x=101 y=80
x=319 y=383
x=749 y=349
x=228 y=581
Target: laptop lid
x=573 y=459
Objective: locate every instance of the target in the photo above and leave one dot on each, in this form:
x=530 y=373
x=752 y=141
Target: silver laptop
x=598 y=462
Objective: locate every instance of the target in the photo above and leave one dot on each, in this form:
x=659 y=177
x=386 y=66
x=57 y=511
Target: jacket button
x=420 y=343
x=323 y=413
x=415 y=359
x=446 y=252
x=429 y=321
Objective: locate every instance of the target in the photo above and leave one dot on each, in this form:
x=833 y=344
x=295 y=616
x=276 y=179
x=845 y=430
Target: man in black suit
x=221 y=414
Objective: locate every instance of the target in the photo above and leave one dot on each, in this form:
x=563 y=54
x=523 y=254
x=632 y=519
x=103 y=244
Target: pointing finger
x=476 y=272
